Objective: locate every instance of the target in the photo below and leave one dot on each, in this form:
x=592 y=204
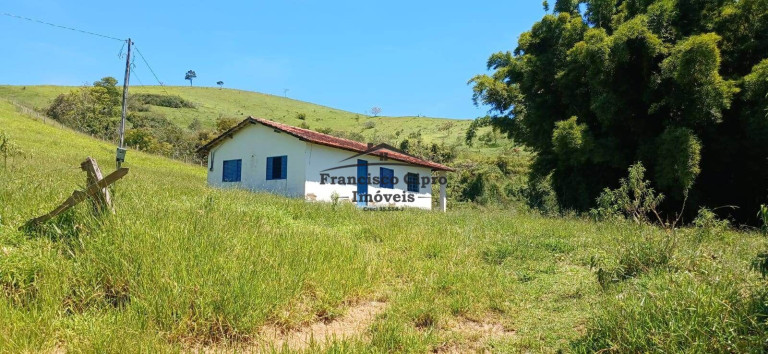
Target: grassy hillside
x=212 y=103
x=182 y=266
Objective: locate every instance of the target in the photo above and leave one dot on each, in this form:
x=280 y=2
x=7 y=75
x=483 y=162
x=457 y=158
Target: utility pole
x=120 y=156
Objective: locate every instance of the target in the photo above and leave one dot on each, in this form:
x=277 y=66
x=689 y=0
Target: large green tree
x=680 y=85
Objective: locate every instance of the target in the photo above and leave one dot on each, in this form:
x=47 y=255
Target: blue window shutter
x=386 y=176
x=231 y=170
x=269 y=168
x=283 y=167
x=412 y=179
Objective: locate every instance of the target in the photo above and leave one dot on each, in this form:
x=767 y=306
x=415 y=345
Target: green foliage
x=762 y=214
x=641 y=76
x=226 y=123
x=638 y=256
x=190 y=75
x=92 y=110
x=678 y=157
x=634 y=198
x=570 y=141
x=477 y=123
x=567 y=6
x=170 y=101
x=301 y=116
x=195 y=125
x=8 y=148
x=708 y=224
x=697 y=94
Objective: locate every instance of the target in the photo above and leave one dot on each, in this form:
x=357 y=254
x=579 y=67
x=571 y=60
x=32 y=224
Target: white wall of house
x=306 y=161
x=319 y=158
x=253 y=144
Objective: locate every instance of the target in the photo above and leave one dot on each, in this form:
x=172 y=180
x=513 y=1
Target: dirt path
x=354 y=323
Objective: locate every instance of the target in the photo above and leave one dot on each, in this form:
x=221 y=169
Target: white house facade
x=263 y=155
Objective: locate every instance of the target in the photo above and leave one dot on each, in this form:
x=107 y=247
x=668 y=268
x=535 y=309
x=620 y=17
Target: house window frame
x=239 y=165
x=283 y=170
x=391 y=182
x=412 y=182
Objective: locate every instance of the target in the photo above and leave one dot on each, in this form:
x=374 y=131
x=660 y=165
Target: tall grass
x=182 y=266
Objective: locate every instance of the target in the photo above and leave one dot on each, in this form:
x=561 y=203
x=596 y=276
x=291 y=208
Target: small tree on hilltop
x=220 y=83
x=375 y=111
x=190 y=76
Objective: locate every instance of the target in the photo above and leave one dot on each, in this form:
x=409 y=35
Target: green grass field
x=185 y=267
x=212 y=103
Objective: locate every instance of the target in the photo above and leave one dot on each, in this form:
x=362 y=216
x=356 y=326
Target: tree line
x=678 y=85
x=95 y=110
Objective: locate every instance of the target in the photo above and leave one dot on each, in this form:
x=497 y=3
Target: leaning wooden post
x=77 y=197
x=102 y=201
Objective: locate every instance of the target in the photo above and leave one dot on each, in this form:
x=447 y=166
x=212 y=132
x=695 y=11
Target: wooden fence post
x=79 y=196
x=102 y=201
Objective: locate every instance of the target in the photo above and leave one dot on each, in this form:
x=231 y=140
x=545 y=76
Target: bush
x=301 y=116
x=170 y=101
x=226 y=123
x=763 y=215
x=93 y=110
x=634 y=198
x=8 y=148
x=369 y=125
x=707 y=224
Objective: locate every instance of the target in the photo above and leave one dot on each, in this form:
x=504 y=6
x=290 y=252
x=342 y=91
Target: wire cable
x=150 y=68
x=62 y=27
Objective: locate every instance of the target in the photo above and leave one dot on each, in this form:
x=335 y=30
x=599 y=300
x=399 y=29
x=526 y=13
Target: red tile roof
x=332 y=141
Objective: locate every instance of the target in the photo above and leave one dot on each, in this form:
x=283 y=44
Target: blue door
x=362 y=176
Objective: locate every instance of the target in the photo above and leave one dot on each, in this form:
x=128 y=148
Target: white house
x=260 y=154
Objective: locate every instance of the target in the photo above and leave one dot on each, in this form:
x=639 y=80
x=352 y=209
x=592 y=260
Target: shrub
x=707 y=224
x=634 y=198
x=225 y=123
x=195 y=125
x=170 y=101
x=445 y=126
x=763 y=215
x=301 y=116
x=304 y=125
x=8 y=148
x=93 y=110
x=369 y=125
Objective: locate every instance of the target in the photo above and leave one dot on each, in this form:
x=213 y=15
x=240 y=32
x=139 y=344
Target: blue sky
x=407 y=57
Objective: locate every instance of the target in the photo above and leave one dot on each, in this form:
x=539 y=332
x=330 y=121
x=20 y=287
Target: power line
x=62 y=27
x=133 y=72
x=150 y=68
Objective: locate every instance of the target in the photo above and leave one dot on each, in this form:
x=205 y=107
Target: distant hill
x=213 y=103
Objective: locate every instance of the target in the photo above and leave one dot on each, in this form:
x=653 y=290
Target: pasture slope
x=185 y=267
x=213 y=103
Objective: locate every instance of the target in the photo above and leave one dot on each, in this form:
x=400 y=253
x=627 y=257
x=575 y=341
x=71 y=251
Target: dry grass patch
x=474 y=334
